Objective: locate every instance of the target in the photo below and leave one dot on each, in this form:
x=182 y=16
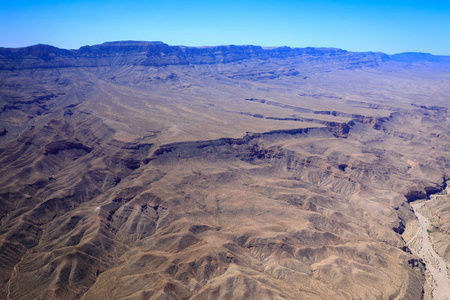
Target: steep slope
x=139 y=170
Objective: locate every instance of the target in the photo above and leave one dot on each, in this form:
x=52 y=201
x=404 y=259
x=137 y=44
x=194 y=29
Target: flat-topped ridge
x=159 y=53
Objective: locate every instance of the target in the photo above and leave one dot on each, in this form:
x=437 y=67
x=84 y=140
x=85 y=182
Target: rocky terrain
x=139 y=170
x=440 y=214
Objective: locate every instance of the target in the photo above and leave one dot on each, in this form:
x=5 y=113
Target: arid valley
x=139 y=170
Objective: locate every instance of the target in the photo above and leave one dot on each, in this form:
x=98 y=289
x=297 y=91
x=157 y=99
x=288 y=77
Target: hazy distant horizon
x=379 y=26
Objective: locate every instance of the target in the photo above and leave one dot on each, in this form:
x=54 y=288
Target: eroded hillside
x=144 y=171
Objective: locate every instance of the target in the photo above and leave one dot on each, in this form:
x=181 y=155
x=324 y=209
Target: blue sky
x=389 y=26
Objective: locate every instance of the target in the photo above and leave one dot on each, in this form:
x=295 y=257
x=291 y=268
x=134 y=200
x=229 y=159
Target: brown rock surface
x=440 y=232
x=145 y=171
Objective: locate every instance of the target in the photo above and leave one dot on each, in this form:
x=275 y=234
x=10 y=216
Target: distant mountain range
x=158 y=54
x=411 y=57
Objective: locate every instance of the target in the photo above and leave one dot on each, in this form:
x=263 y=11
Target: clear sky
x=390 y=26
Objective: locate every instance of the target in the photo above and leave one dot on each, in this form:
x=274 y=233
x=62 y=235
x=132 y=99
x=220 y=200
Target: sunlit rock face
x=139 y=170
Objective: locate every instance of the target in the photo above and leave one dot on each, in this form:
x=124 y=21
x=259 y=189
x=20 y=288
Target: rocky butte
x=139 y=170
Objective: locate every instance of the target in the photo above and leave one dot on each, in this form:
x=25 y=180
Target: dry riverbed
x=417 y=235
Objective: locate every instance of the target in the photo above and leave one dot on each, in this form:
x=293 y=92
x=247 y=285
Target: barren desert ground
x=139 y=170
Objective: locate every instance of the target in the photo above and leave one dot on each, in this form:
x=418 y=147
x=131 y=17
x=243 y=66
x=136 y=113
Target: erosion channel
x=438 y=279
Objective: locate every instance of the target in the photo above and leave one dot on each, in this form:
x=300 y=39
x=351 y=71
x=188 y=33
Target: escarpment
x=160 y=54
x=142 y=170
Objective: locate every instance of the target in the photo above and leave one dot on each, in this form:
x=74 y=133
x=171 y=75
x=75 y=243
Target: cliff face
x=160 y=54
x=140 y=170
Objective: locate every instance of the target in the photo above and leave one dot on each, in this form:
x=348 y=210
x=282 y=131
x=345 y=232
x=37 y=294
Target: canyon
x=139 y=170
